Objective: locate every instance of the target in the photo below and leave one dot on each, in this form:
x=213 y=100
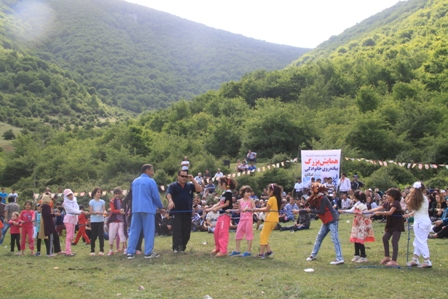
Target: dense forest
x=379 y=91
x=135 y=57
x=86 y=63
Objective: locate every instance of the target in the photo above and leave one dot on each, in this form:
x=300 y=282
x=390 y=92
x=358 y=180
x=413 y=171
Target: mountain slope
x=380 y=95
x=137 y=58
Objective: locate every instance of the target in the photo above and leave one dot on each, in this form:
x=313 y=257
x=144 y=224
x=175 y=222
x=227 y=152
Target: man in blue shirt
x=3 y=196
x=180 y=204
x=145 y=201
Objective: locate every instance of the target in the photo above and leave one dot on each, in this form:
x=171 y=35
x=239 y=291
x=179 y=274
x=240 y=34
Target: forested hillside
x=380 y=95
x=138 y=58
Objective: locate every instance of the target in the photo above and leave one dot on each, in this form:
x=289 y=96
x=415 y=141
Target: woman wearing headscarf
x=47 y=230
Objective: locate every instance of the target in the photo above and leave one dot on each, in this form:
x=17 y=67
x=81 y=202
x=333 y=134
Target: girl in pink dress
x=362 y=230
x=246 y=205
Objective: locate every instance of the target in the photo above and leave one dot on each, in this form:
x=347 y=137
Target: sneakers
x=426 y=264
x=260 y=256
x=101 y=253
x=362 y=260
x=37 y=254
x=51 y=255
x=110 y=253
x=337 y=262
x=270 y=254
x=151 y=255
x=246 y=254
x=413 y=263
x=235 y=253
x=356 y=258
x=130 y=256
x=311 y=258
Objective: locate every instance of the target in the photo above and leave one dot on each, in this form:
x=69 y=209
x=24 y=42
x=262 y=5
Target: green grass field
x=197 y=273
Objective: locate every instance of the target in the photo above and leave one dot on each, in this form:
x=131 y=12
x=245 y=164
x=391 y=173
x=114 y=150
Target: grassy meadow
x=197 y=273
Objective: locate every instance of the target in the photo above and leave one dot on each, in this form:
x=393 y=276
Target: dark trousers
x=440 y=231
x=395 y=239
x=15 y=239
x=360 y=250
x=181 y=230
x=52 y=244
x=38 y=244
x=97 y=232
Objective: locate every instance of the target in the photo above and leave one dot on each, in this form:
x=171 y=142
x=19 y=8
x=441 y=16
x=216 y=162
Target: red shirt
x=14 y=229
x=27 y=218
x=82 y=219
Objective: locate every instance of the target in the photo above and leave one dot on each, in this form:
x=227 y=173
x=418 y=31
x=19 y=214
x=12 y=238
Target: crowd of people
x=195 y=206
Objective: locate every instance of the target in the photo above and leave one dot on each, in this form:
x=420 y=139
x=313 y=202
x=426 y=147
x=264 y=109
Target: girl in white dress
x=418 y=206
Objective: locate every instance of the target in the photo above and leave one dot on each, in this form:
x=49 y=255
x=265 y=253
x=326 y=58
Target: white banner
x=320 y=164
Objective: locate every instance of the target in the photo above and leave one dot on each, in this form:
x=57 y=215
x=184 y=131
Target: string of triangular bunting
x=401 y=164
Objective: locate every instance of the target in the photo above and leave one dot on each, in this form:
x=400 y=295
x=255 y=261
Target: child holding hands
x=271 y=221
x=15 y=231
x=362 y=230
x=245 y=206
x=71 y=218
x=97 y=209
x=224 y=206
x=394 y=225
x=418 y=204
x=27 y=220
x=116 y=222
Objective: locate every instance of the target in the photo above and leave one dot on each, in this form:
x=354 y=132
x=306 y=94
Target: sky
x=297 y=23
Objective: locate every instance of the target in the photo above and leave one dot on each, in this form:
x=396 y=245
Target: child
x=394 y=225
x=116 y=222
x=15 y=231
x=271 y=220
x=27 y=219
x=82 y=225
x=37 y=228
x=245 y=205
x=97 y=209
x=59 y=220
x=224 y=206
x=71 y=218
x=418 y=203
x=362 y=230
x=323 y=208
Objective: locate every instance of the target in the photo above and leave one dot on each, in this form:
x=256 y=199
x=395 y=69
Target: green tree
x=9 y=135
x=367 y=99
x=275 y=127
